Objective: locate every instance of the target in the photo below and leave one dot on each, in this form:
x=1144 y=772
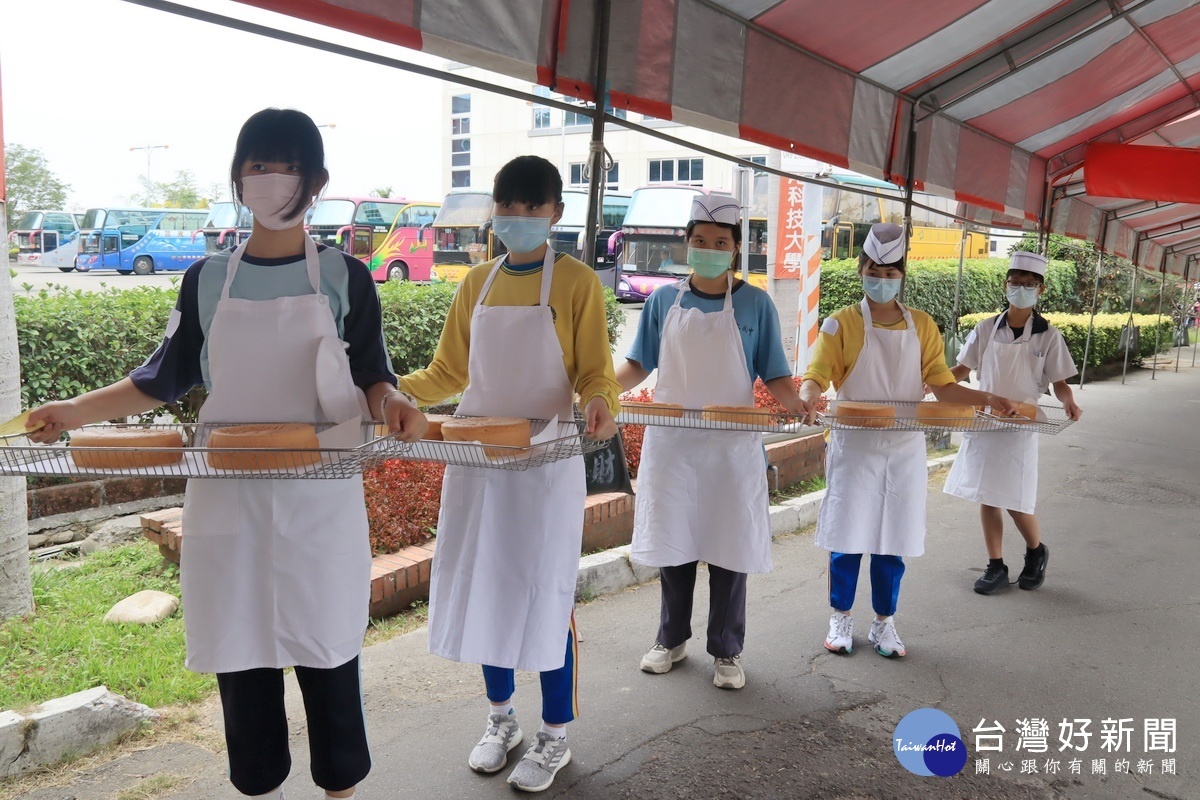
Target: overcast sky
x=85 y=80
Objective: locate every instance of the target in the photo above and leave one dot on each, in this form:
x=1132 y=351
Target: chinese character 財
x=1114 y=733
x=1032 y=735
x=1159 y=735
x=989 y=738
x=1067 y=734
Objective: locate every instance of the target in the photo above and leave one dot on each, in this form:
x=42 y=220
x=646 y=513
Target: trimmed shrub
x=930 y=286
x=71 y=342
x=1106 y=336
x=403 y=499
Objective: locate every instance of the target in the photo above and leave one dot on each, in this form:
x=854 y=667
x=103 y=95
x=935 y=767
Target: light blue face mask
x=522 y=234
x=1022 y=296
x=709 y=263
x=881 y=290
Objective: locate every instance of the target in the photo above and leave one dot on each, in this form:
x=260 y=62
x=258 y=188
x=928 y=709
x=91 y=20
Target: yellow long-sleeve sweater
x=840 y=343
x=577 y=301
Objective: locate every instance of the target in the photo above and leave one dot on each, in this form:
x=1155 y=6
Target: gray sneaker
x=500 y=737
x=535 y=772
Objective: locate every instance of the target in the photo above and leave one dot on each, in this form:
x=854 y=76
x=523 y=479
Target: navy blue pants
x=256 y=727
x=726 y=608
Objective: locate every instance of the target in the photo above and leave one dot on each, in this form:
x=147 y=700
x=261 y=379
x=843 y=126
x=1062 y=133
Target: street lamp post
x=149 y=148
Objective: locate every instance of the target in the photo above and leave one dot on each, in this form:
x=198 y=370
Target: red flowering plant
x=403 y=499
x=631 y=435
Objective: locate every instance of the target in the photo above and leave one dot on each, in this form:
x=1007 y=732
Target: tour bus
x=463 y=234
x=566 y=236
x=227 y=225
x=388 y=234
x=848 y=216
x=140 y=240
x=652 y=241
x=47 y=239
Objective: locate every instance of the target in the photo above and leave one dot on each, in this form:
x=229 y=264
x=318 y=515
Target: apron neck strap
x=311 y=260
x=1026 y=333
x=686 y=285
x=547 y=277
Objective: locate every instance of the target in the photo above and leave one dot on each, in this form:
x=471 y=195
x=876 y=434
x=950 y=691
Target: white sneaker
x=887 y=642
x=499 y=738
x=841 y=633
x=729 y=673
x=660 y=659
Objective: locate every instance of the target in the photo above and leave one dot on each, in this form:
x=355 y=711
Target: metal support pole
x=1162 y=283
x=598 y=175
x=1129 y=323
x=1183 y=306
x=1087 y=345
x=909 y=181
x=744 y=181
x=962 y=257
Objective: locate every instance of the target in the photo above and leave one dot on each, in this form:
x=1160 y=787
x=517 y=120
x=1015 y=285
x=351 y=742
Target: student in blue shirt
x=702 y=495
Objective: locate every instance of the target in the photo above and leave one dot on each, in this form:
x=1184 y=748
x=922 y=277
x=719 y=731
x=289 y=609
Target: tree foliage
x=31 y=183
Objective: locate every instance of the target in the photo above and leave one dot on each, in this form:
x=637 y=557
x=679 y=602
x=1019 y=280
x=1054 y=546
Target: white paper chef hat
x=716 y=207
x=885 y=243
x=1030 y=262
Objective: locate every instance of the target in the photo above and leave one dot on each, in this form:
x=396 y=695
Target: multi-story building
x=486 y=130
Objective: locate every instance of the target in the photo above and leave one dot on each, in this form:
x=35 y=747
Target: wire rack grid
x=569 y=442
x=753 y=420
x=910 y=417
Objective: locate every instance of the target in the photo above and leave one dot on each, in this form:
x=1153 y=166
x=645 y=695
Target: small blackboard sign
x=606 y=469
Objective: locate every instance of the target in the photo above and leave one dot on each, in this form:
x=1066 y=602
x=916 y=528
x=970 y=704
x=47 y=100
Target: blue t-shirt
x=753 y=310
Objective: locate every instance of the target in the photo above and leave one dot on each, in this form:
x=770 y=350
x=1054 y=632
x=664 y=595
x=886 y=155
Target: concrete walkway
x=1114 y=633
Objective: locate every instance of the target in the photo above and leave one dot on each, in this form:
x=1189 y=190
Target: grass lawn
x=805 y=487
x=64 y=647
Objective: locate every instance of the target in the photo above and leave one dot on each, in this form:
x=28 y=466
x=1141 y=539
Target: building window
x=460 y=178
x=460 y=159
x=683 y=170
x=460 y=126
x=578 y=181
x=761 y=161
x=460 y=104
x=460 y=145
x=574 y=118
x=541 y=117
x=619 y=113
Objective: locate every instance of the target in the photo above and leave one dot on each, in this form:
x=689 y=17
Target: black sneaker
x=1035 y=567
x=994 y=577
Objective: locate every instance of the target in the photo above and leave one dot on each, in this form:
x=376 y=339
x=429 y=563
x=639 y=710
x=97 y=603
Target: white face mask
x=270 y=196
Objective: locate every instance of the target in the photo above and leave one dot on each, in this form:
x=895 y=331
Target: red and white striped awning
x=997 y=100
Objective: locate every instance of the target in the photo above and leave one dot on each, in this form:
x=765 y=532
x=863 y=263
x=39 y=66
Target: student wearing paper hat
x=877 y=350
x=702 y=495
x=1017 y=354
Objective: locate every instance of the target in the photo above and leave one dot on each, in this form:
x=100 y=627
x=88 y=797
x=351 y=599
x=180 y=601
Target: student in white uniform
x=524 y=334
x=1017 y=354
x=877 y=350
x=276 y=573
x=702 y=495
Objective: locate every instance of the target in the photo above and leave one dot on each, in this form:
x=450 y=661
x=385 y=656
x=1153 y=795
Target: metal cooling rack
x=569 y=443
x=19 y=457
x=754 y=421
x=1050 y=420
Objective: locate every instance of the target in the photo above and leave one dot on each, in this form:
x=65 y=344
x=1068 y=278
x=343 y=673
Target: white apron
x=277 y=572
x=877 y=480
x=1000 y=468
x=701 y=495
x=508 y=543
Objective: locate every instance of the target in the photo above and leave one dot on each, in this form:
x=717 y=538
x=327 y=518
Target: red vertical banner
x=789 y=222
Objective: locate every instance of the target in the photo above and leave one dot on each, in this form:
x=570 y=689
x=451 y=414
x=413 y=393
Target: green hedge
x=71 y=342
x=1106 y=336
x=930 y=286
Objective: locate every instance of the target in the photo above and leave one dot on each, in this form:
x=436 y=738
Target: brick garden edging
x=53 y=500
x=400 y=579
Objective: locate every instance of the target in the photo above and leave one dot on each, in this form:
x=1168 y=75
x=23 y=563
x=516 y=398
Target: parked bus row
x=641 y=236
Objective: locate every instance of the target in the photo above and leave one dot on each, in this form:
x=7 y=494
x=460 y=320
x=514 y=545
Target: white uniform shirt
x=1046 y=344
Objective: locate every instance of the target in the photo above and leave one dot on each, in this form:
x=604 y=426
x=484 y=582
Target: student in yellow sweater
x=525 y=333
x=877 y=350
